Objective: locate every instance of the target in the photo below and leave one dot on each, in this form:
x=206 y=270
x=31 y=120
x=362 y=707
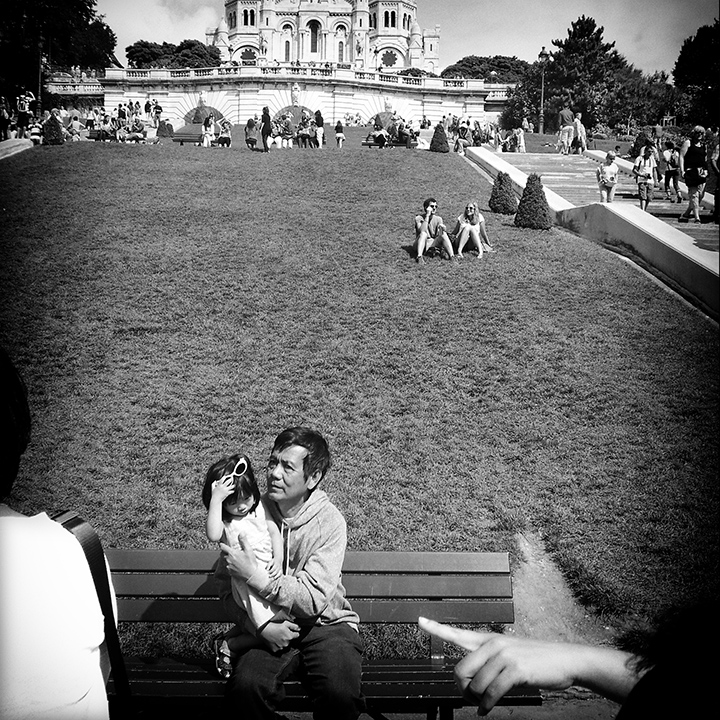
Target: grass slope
x=167 y=305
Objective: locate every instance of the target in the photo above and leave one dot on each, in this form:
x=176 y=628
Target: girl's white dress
x=253 y=530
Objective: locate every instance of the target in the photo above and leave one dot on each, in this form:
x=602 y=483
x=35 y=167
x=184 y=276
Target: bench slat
x=357 y=586
x=383 y=681
x=370 y=611
x=201 y=561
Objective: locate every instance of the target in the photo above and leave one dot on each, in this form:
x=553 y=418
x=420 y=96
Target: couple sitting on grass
x=431 y=234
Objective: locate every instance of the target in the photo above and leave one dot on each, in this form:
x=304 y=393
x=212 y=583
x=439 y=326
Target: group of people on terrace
x=284 y=132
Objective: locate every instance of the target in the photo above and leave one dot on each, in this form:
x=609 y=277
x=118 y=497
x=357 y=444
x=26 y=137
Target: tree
x=439 y=142
x=533 y=209
x=189 y=53
x=697 y=76
x=507 y=69
x=36 y=33
x=502 y=198
x=584 y=70
x=596 y=80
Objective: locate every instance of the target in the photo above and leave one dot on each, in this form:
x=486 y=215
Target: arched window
x=314 y=27
x=287 y=51
x=387 y=19
x=392 y=19
x=245 y=17
x=341 y=52
x=252 y=17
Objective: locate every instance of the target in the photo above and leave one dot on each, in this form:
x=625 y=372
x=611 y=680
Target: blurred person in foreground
x=668 y=672
x=53 y=664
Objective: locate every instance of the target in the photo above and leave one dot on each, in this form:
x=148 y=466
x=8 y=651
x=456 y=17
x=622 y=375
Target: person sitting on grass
x=108 y=130
x=251 y=132
x=471 y=226
x=225 y=136
x=431 y=233
x=405 y=134
x=379 y=135
x=136 y=132
x=237 y=513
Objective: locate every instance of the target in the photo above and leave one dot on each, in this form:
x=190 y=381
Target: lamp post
x=543 y=57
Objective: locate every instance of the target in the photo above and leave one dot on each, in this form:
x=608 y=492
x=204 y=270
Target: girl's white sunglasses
x=241 y=463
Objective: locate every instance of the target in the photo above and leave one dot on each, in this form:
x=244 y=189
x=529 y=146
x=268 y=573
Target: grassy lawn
x=167 y=305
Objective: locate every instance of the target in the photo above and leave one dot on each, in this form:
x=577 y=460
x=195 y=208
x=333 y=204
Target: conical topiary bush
x=53 y=130
x=533 y=209
x=502 y=197
x=439 y=141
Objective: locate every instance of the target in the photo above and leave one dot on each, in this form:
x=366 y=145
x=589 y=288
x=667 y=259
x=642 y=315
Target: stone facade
x=382 y=35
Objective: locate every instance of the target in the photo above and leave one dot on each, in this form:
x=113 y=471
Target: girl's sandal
x=223 y=658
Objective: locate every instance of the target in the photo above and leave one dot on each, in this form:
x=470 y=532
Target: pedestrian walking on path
x=644 y=169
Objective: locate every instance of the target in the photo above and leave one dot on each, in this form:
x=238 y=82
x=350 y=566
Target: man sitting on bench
x=322 y=645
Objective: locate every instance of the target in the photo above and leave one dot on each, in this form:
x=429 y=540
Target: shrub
x=502 y=197
x=533 y=210
x=53 y=131
x=165 y=129
x=439 y=141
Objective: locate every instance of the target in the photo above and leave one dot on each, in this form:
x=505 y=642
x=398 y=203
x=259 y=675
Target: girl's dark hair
x=245 y=484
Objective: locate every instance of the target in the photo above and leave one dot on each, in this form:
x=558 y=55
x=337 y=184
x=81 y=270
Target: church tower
x=363 y=34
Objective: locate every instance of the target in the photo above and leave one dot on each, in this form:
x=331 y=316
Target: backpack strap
x=90 y=543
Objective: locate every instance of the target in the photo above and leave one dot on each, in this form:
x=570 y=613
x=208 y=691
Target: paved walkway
x=573 y=178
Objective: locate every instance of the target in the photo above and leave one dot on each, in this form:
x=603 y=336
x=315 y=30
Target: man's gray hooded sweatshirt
x=310 y=589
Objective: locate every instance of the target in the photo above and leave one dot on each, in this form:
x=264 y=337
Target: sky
x=648 y=33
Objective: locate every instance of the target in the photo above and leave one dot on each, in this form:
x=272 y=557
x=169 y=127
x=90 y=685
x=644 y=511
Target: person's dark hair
x=14 y=422
x=317 y=459
x=672 y=636
x=669 y=144
x=427 y=202
x=245 y=485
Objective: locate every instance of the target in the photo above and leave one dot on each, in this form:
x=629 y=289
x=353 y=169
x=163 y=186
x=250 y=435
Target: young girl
x=471 y=226
x=607 y=175
x=237 y=513
x=339 y=134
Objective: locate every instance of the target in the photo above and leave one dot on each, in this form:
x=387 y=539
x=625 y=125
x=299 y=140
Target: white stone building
x=360 y=34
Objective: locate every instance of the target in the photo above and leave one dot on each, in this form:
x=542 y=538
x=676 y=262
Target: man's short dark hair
x=427 y=202
x=318 y=452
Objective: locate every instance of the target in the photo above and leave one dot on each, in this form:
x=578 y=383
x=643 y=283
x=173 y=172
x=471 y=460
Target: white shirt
x=51 y=625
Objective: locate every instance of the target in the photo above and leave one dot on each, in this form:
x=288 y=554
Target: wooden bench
x=390 y=143
x=177 y=586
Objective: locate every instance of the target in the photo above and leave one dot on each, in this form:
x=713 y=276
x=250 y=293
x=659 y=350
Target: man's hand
x=241 y=560
x=278 y=635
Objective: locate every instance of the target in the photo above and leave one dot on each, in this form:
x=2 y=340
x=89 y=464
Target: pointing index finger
x=465 y=639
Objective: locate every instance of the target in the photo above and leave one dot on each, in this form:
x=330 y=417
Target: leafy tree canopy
x=54 y=32
x=508 y=69
x=595 y=79
x=697 y=76
x=188 y=54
